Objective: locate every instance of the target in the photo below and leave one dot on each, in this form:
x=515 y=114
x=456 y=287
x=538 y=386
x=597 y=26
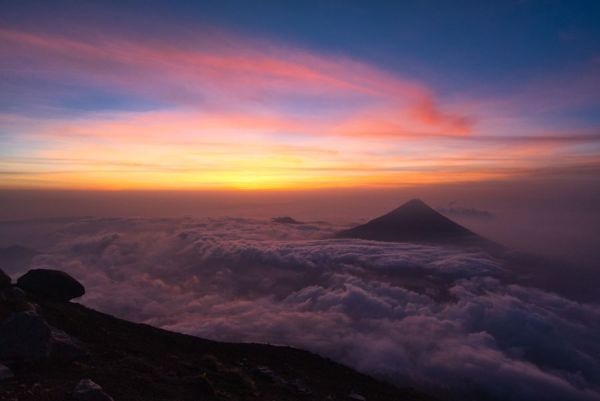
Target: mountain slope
x=414 y=221
x=139 y=362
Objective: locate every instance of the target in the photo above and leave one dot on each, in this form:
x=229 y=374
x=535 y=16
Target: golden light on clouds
x=236 y=113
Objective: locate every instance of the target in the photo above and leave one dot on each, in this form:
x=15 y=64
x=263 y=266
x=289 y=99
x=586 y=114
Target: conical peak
x=413 y=221
x=416 y=202
x=413 y=206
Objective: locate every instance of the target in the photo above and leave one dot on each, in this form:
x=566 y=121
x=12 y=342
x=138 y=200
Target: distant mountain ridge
x=414 y=221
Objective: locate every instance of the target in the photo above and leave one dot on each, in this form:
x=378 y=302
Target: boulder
x=5 y=280
x=51 y=284
x=27 y=337
x=87 y=390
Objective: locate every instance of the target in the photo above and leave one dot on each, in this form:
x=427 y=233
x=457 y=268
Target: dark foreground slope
x=138 y=362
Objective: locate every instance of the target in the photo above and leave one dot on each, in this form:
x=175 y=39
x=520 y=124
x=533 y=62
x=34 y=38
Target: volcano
x=414 y=221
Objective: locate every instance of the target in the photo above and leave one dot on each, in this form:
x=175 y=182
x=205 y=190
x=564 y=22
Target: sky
x=145 y=147
x=222 y=95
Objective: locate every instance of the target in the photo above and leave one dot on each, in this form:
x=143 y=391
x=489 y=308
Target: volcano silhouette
x=414 y=221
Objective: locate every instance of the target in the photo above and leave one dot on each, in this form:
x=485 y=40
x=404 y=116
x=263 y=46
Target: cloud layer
x=436 y=318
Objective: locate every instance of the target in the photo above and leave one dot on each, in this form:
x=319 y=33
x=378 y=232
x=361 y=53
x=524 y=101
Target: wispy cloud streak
x=225 y=111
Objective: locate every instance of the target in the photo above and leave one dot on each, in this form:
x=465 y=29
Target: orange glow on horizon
x=229 y=114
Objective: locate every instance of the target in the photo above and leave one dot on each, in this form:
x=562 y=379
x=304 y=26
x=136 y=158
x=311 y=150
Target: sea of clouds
x=437 y=318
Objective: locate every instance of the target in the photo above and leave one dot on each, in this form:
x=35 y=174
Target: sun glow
x=229 y=114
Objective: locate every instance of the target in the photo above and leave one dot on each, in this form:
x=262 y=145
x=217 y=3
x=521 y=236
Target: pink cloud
x=254 y=113
x=231 y=72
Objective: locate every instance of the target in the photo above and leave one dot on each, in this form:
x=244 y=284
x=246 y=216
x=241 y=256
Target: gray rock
x=357 y=397
x=265 y=373
x=87 y=390
x=51 y=284
x=24 y=337
x=27 y=337
x=63 y=347
x=5 y=280
x=5 y=373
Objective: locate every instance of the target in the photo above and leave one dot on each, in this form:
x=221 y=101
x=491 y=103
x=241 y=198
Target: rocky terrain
x=53 y=349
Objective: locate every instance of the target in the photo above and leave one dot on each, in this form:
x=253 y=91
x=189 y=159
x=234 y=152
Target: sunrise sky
x=234 y=95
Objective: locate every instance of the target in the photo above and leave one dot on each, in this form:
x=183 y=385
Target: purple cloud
x=437 y=318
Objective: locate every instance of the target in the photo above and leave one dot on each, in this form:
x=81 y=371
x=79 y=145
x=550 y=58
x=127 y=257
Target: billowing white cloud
x=438 y=318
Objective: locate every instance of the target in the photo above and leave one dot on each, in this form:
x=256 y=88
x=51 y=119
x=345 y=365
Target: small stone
x=265 y=373
x=5 y=373
x=51 y=284
x=301 y=387
x=87 y=390
x=65 y=348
